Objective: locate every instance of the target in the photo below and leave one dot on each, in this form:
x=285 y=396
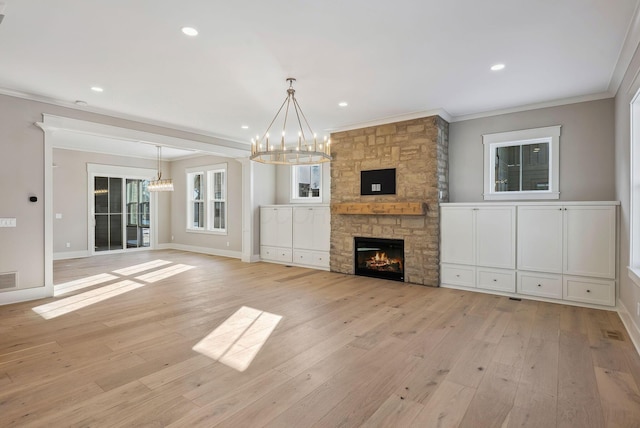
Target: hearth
x=379 y=258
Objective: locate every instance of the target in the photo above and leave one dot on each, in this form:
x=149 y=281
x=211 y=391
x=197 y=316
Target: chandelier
x=160 y=185
x=305 y=150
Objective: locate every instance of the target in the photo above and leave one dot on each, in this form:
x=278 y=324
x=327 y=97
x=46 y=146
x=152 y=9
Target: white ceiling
x=387 y=59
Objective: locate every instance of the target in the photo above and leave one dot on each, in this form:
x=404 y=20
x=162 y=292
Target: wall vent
x=8 y=280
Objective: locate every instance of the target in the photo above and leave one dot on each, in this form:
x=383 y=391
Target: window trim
x=634 y=191
x=207 y=173
x=550 y=134
x=293 y=198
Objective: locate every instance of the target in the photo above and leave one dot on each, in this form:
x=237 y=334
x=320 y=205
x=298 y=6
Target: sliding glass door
x=121 y=223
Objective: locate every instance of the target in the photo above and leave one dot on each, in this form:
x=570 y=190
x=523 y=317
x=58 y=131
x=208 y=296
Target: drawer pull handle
x=539 y=285
x=495 y=280
x=588 y=291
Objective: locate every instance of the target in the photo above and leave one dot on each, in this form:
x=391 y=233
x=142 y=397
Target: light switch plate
x=7 y=222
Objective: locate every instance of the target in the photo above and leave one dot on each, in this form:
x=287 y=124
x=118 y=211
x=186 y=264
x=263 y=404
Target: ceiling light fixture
x=160 y=185
x=97 y=89
x=190 y=31
x=244 y=127
x=343 y=104
x=301 y=152
x=497 y=67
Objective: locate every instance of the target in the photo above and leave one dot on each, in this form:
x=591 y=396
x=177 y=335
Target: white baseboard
x=632 y=328
x=17 y=296
x=202 y=250
x=71 y=255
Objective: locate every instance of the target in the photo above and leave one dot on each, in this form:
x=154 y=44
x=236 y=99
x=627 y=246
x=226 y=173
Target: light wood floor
x=349 y=351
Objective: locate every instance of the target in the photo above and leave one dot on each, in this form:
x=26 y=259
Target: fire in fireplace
x=379 y=258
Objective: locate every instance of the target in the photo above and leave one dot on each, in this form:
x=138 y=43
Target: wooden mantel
x=380 y=208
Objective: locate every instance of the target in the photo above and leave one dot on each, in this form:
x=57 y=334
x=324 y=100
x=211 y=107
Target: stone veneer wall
x=418 y=149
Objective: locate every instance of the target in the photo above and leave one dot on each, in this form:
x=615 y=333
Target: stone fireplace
x=418 y=150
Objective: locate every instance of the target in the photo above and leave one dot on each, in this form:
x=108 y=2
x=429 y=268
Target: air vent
x=613 y=334
x=8 y=280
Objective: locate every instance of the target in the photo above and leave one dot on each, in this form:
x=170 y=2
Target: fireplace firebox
x=379 y=258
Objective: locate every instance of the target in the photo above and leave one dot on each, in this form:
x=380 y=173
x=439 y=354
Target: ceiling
x=387 y=60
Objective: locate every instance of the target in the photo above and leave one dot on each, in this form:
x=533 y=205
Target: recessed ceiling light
x=97 y=89
x=244 y=127
x=343 y=104
x=190 y=31
x=497 y=67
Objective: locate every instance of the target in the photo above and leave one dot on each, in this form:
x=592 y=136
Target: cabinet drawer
x=588 y=290
x=277 y=254
x=458 y=275
x=321 y=258
x=496 y=279
x=540 y=284
x=311 y=258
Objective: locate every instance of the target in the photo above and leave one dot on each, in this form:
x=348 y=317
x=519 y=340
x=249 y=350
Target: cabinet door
x=311 y=228
x=496 y=237
x=540 y=238
x=457 y=244
x=276 y=226
x=590 y=241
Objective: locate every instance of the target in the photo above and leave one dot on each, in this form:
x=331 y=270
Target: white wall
x=587 y=150
x=181 y=236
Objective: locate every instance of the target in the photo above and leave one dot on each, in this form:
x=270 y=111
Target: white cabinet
x=457 y=228
x=562 y=251
x=275 y=226
x=590 y=241
x=496 y=237
x=482 y=237
x=540 y=238
x=576 y=241
x=295 y=234
x=310 y=226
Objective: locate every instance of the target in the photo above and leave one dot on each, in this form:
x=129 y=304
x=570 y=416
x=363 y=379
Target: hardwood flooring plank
x=396 y=411
x=578 y=395
x=447 y=407
x=540 y=370
x=620 y=398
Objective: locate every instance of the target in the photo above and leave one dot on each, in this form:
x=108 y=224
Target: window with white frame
x=306 y=183
x=522 y=164
x=207 y=198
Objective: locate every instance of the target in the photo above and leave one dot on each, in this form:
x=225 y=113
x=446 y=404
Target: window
x=306 y=183
x=522 y=164
x=207 y=199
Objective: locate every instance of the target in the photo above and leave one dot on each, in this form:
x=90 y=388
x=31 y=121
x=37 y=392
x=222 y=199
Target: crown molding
x=628 y=50
x=536 y=106
x=52 y=123
x=221 y=140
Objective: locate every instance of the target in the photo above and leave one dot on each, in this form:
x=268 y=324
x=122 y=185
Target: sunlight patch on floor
x=161 y=274
x=239 y=338
x=131 y=270
x=86 y=298
x=79 y=301
x=79 y=284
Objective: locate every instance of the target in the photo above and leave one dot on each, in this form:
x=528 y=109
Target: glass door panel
x=137 y=201
x=121 y=220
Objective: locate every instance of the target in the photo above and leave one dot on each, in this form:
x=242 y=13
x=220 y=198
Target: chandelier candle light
x=160 y=185
x=301 y=152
